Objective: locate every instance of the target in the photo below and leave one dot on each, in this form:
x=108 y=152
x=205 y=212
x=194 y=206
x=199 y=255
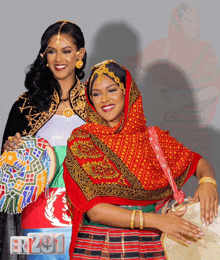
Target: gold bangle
x=10 y=138
x=208 y=179
x=132 y=218
x=141 y=217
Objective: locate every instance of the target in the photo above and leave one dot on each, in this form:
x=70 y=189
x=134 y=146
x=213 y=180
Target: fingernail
x=203 y=220
x=207 y=223
x=199 y=229
x=211 y=220
x=188 y=242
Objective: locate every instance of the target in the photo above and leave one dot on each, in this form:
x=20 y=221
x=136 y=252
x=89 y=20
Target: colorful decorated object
x=25 y=173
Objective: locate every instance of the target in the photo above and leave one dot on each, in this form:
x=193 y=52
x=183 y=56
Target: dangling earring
x=79 y=64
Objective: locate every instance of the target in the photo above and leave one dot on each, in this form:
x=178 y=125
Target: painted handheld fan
x=25 y=173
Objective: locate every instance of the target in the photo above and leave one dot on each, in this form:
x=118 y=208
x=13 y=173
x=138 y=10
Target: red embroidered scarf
x=117 y=165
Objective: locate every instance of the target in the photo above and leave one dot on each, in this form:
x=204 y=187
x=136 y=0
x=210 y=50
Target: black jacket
x=27 y=120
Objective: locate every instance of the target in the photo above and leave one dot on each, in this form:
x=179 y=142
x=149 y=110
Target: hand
x=172 y=223
x=12 y=145
x=208 y=197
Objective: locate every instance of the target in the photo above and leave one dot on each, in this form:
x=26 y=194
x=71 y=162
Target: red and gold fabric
x=117 y=165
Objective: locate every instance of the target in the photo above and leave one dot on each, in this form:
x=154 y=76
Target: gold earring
x=47 y=65
x=79 y=64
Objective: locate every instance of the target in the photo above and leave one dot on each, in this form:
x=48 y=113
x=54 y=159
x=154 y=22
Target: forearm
x=111 y=215
x=206 y=192
x=171 y=223
x=204 y=169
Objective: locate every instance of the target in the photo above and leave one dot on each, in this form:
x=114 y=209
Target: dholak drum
x=207 y=247
x=25 y=173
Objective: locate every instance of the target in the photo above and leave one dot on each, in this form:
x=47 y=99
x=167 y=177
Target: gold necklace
x=68 y=111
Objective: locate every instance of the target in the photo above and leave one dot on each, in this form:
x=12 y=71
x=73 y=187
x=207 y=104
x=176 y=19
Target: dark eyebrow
x=49 y=47
x=107 y=87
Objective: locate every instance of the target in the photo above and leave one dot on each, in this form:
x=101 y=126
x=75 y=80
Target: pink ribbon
x=179 y=195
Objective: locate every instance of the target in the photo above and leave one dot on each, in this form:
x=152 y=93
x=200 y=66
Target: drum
x=207 y=247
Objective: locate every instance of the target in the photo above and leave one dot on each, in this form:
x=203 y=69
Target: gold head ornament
x=58 y=37
x=102 y=69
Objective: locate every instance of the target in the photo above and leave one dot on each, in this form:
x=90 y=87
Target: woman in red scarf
x=111 y=169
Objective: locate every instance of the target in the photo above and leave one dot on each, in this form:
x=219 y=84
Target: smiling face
x=62 y=57
x=108 y=100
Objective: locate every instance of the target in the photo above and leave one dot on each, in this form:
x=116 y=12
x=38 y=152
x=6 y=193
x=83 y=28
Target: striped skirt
x=113 y=243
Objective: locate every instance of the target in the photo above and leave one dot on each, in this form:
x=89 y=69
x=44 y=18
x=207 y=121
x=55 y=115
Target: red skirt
x=113 y=243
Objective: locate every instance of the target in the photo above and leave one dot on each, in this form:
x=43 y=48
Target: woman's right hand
x=12 y=144
x=172 y=223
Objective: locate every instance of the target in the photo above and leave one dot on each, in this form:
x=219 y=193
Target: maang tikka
x=58 y=37
x=101 y=69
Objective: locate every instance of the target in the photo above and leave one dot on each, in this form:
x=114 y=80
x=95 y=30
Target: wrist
x=207 y=179
x=151 y=220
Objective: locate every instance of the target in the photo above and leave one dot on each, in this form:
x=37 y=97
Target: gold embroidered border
x=70 y=206
x=93 y=117
x=134 y=93
x=80 y=134
x=86 y=150
x=99 y=169
x=136 y=192
x=78 y=100
x=37 y=119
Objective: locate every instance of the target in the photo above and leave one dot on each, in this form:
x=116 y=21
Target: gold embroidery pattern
x=80 y=134
x=78 y=100
x=37 y=119
x=134 y=93
x=70 y=206
x=100 y=170
x=85 y=149
x=93 y=117
x=135 y=192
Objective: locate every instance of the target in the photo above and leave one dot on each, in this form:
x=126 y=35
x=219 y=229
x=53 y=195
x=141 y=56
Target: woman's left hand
x=208 y=197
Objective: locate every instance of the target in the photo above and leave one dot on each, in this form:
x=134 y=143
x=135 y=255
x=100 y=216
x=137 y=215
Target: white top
x=59 y=128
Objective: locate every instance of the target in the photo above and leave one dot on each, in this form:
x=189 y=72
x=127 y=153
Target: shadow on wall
x=115 y=40
x=179 y=78
x=171 y=102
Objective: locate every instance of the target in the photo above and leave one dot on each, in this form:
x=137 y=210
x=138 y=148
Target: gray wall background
x=108 y=27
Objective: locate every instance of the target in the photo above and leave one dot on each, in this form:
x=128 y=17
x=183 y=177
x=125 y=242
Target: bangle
x=141 y=219
x=208 y=179
x=132 y=219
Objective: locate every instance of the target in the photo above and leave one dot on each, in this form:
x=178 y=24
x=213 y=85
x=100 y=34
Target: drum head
x=207 y=247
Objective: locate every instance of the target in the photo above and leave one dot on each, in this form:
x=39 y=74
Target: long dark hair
x=39 y=79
